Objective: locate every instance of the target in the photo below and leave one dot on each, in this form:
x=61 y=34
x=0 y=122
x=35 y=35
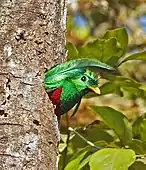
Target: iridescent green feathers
x=67 y=83
x=55 y=76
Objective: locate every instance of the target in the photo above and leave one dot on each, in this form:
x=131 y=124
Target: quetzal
x=67 y=83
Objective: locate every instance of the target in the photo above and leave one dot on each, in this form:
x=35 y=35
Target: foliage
x=88 y=19
x=115 y=142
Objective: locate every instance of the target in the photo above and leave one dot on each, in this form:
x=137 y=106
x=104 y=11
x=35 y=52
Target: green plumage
x=69 y=97
x=68 y=82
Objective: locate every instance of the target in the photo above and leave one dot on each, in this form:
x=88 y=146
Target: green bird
x=67 y=83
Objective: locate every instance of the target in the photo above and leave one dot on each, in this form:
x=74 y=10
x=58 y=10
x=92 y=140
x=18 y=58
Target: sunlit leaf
x=62 y=146
x=121 y=36
x=113 y=159
x=143 y=87
x=100 y=49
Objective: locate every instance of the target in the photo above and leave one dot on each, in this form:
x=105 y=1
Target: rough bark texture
x=32 y=38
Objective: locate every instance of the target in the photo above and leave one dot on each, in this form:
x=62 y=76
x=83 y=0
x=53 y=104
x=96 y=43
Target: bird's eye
x=84 y=78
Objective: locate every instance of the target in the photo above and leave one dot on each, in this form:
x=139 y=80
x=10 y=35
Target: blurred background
x=90 y=19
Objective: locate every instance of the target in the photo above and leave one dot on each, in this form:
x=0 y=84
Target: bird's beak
x=95 y=89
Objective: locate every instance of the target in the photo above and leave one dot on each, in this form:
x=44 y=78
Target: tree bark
x=32 y=38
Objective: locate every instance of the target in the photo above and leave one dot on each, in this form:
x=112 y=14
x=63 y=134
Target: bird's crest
x=91 y=73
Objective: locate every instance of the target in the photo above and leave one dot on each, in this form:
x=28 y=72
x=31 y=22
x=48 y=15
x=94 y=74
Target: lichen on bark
x=32 y=38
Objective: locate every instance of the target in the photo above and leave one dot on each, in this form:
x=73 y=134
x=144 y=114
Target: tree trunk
x=32 y=38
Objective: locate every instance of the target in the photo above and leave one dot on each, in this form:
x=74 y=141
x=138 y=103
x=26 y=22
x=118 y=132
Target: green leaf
x=139 y=127
x=100 y=49
x=116 y=121
x=82 y=157
x=124 y=87
x=92 y=49
x=137 y=56
x=129 y=87
x=142 y=87
x=62 y=146
x=84 y=162
x=138 y=146
x=92 y=134
x=113 y=159
x=143 y=130
x=110 y=87
x=109 y=49
x=95 y=134
x=138 y=165
x=121 y=36
x=72 y=51
x=77 y=158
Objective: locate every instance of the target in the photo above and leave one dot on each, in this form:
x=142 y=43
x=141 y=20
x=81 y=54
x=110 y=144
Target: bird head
x=77 y=72
x=86 y=81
